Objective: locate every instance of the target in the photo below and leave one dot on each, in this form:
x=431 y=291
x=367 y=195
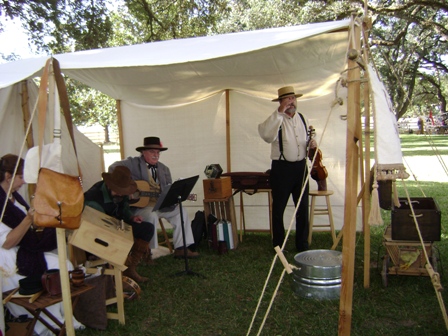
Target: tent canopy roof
x=185 y=70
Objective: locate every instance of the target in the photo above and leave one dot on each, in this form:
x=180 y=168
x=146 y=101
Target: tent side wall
x=195 y=135
x=12 y=130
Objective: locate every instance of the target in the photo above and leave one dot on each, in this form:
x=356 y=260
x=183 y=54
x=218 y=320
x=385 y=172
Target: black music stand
x=176 y=193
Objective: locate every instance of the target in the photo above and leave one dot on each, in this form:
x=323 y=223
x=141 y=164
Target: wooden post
x=26 y=120
x=65 y=282
x=367 y=136
x=228 y=149
x=120 y=128
x=2 y=313
x=351 y=180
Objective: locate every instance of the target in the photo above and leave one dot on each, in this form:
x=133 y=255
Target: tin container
x=318 y=275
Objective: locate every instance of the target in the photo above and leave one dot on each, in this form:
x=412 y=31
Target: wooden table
x=242 y=216
x=39 y=307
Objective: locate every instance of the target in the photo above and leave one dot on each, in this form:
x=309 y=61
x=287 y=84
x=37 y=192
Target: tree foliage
x=408 y=40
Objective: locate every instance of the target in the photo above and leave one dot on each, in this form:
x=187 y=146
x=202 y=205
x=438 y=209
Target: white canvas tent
x=204 y=98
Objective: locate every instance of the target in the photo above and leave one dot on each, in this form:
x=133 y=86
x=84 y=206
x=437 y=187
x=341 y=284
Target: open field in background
x=224 y=302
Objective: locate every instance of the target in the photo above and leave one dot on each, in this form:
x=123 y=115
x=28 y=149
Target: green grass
x=223 y=303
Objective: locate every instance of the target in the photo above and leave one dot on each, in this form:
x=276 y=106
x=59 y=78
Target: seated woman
x=23 y=251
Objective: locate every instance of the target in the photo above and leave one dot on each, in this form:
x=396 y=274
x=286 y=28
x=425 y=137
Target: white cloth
x=11 y=280
x=388 y=155
x=174 y=218
x=292 y=128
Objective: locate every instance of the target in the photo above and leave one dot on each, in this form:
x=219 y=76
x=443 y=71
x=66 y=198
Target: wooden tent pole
x=26 y=114
x=351 y=178
x=367 y=136
x=228 y=149
x=120 y=128
x=65 y=282
x=26 y=120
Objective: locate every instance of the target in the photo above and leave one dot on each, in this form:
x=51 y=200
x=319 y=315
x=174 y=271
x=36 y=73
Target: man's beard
x=291 y=110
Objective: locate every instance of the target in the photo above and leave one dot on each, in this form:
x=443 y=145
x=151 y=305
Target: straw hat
x=286 y=92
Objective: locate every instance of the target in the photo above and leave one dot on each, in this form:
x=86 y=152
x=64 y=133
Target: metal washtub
x=318 y=275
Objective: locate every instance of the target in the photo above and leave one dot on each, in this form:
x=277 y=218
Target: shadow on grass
x=224 y=302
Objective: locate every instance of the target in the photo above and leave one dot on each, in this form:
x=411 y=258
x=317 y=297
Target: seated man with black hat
x=111 y=196
x=147 y=167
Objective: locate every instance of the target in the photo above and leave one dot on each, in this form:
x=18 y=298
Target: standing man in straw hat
x=287 y=132
x=147 y=167
x=110 y=196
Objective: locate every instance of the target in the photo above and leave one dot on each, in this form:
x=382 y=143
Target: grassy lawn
x=224 y=302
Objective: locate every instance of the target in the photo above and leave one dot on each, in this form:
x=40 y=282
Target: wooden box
x=103 y=236
x=428 y=216
x=249 y=180
x=217 y=188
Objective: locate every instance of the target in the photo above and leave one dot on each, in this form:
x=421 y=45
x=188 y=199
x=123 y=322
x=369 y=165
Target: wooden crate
x=428 y=216
x=217 y=188
x=102 y=236
x=223 y=209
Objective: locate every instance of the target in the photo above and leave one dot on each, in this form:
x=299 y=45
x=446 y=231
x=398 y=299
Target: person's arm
x=268 y=130
x=95 y=205
x=15 y=235
x=128 y=216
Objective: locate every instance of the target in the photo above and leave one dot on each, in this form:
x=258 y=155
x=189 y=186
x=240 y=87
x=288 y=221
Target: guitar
x=141 y=197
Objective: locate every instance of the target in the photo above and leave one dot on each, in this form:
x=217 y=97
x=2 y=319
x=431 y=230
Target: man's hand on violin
x=312 y=144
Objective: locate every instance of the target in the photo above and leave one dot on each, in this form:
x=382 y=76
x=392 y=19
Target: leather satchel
x=58 y=201
x=59 y=198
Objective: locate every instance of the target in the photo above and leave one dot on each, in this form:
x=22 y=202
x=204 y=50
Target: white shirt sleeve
x=268 y=129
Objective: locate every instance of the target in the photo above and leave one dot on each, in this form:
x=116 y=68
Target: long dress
x=11 y=280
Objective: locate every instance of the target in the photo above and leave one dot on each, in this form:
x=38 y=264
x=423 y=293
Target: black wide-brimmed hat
x=286 y=92
x=30 y=285
x=120 y=181
x=151 y=143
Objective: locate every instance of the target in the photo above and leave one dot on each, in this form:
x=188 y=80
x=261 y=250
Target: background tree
x=408 y=40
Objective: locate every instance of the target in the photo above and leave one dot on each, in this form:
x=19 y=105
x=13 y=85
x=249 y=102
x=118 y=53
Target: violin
x=318 y=170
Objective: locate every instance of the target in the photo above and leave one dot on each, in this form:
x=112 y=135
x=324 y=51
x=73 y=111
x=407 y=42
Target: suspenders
x=280 y=137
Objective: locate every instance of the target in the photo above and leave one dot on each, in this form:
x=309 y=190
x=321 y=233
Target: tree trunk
x=106 y=134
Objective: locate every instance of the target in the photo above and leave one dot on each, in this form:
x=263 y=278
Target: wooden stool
x=329 y=227
x=167 y=240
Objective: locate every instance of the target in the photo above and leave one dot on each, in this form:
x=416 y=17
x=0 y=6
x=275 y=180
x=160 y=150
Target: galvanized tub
x=318 y=275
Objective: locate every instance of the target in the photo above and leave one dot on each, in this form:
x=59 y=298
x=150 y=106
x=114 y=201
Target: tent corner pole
x=120 y=128
x=367 y=24
x=228 y=149
x=351 y=178
x=26 y=120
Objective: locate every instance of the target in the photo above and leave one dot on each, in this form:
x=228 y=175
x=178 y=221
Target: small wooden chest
x=428 y=216
x=102 y=236
x=249 y=180
x=217 y=188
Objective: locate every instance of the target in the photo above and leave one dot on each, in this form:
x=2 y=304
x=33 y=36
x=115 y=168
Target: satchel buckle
x=59 y=217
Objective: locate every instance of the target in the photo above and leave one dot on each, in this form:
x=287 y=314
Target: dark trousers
x=287 y=178
x=143 y=230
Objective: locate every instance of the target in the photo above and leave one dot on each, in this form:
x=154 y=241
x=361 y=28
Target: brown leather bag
x=58 y=201
x=59 y=198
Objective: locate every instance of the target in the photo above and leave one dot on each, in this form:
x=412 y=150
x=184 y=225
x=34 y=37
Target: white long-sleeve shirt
x=294 y=135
